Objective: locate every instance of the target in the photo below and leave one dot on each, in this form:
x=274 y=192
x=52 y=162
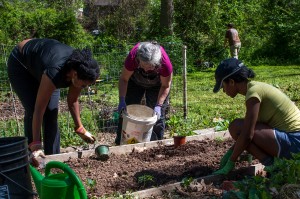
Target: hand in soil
x=225 y=158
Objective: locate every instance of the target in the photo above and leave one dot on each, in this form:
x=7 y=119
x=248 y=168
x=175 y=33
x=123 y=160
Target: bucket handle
x=74 y=178
x=29 y=191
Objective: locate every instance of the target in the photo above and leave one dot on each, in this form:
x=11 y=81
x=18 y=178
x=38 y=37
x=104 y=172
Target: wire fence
x=98 y=102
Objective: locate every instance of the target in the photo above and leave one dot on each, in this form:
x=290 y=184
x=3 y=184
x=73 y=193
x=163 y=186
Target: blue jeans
x=134 y=95
x=26 y=88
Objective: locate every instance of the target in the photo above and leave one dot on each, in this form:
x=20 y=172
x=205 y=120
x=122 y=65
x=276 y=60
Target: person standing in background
x=232 y=38
x=37 y=69
x=147 y=71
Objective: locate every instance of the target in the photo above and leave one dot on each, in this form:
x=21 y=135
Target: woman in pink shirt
x=147 y=71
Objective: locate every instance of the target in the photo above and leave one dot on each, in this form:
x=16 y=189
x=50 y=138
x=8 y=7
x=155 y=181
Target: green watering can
x=65 y=185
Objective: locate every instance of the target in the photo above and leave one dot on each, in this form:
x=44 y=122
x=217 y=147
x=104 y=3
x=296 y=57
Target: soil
x=153 y=167
x=145 y=169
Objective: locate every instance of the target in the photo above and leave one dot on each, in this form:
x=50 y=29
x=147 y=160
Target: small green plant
x=185 y=182
x=184 y=133
x=91 y=183
x=180 y=127
x=222 y=124
x=144 y=179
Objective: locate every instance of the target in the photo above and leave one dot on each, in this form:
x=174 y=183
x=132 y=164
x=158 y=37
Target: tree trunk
x=166 y=17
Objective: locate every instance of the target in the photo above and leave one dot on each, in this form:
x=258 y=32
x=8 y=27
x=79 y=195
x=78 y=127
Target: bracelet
x=80 y=130
x=160 y=105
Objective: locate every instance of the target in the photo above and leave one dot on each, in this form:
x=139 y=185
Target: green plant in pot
x=180 y=137
x=179 y=129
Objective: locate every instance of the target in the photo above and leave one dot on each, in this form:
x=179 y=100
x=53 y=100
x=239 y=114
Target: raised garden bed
x=133 y=168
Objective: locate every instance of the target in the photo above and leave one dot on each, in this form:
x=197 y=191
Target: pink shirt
x=165 y=70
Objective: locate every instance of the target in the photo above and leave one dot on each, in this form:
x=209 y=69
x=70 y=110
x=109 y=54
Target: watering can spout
x=37 y=178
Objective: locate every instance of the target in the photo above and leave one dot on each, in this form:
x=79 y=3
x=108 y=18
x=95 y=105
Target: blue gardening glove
x=157 y=111
x=225 y=158
x=122 y=104
x=226 y=169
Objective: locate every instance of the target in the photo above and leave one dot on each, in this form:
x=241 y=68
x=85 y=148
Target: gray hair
x=149 y=52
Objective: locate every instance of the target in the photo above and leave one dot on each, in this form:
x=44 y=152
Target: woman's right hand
x=85 y=135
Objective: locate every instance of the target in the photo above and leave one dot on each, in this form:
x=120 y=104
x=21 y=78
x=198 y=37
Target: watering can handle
x=74 y=178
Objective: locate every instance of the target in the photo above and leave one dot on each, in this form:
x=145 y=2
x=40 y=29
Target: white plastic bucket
x=138 y=122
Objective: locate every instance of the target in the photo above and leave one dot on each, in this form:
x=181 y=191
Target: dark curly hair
x=82 y=62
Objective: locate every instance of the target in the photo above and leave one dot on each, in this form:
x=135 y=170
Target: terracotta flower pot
x=179 y=140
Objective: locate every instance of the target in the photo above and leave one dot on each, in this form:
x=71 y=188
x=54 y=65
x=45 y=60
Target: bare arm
x=73 y=105
x=164 y=89
x=123 y=81
x=43 y=96
x=247 y=133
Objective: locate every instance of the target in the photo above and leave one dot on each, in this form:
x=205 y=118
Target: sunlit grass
x=204 y=105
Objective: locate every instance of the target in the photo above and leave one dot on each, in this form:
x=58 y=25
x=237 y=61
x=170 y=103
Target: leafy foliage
x=282 y=172
x=180 y=127
x=27 y=19
x=269 y=30
x=289 y=171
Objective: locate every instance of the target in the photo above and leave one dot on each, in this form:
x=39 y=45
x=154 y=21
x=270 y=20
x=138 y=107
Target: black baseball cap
x=225 y=69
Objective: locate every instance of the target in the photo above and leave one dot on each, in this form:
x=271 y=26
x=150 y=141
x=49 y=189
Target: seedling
x=185 y=182
x=91 y=184
x=144 y=179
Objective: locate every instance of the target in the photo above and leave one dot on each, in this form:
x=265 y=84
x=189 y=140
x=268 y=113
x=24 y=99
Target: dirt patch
x=149 y=168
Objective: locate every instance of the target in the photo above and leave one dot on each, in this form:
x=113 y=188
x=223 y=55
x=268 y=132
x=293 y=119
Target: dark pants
x=26 y=87
x=134 y=95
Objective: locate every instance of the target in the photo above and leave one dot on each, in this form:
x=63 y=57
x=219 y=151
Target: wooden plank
x=124 y=149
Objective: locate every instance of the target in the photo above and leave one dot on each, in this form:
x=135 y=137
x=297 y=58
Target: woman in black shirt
x=37 y=69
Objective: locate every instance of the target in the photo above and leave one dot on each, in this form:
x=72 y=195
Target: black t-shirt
x=47 y=56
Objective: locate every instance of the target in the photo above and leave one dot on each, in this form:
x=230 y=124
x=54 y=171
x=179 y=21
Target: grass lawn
x=205 y=107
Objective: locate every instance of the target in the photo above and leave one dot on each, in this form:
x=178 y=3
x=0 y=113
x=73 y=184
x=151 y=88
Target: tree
x=166 y=17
